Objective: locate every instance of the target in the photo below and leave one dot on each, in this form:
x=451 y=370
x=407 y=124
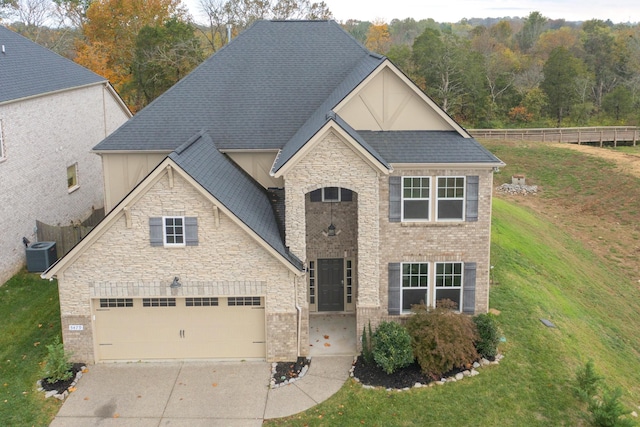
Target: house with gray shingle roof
x=292 y=174
x=52 y=112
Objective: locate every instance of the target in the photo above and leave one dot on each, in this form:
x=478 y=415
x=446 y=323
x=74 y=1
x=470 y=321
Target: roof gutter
x=39 y=95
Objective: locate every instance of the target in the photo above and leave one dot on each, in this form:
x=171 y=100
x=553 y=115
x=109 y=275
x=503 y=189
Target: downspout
x=299 y=309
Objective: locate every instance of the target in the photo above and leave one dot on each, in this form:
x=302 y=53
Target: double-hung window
x=72 y=177
x=450 y=198
x=448 y=282
x=415 y=198
x=415 y=285
x=173 y=230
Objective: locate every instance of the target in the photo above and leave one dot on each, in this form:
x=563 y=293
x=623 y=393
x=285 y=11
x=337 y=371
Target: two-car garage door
x=179 y=328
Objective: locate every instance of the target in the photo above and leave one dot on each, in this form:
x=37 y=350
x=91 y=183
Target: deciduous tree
x=560 y=73
x=110 y=33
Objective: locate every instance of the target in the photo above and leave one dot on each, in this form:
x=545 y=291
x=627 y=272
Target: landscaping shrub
x=489 y=335
x=57 y=365
x=441 y=338
x=392 y=347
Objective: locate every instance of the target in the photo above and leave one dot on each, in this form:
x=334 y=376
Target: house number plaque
x=76 y=327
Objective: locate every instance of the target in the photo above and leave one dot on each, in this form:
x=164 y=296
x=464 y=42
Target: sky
x=455 y=10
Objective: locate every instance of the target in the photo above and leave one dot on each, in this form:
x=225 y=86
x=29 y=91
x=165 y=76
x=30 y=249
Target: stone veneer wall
x=333 y=163
x=227 y=260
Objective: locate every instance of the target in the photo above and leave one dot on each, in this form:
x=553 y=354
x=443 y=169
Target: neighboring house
x=52 y=112
x=293 y=172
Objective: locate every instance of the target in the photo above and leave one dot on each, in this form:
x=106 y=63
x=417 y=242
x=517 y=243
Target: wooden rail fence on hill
x=582 y=135
x=66 y=237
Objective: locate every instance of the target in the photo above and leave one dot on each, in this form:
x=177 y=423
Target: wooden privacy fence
x=66 y=237
x=581 y=135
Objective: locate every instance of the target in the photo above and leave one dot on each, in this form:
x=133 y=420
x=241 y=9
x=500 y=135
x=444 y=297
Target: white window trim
x=77 y=184
x=164 y=232
x=435 y=281
x=463 y=198
x=428 y=288
x=428 y=199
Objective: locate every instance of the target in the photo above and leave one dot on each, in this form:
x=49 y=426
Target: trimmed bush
x=442 y=339
x=57 y=365
x=489 y=335
x=392 y=347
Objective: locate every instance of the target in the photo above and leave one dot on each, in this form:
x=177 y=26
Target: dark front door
x=331 y=284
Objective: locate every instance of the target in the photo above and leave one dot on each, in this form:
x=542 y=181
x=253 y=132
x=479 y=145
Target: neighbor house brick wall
x=226 y=259
x=42 y=136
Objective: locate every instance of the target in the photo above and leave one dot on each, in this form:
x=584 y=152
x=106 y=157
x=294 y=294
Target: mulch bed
x=288 y=370
x=61 y=386
x=371 y=374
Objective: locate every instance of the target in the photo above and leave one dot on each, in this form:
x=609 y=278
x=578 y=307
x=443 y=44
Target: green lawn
x=546 y=266
x=541 y=270
x=30 y=316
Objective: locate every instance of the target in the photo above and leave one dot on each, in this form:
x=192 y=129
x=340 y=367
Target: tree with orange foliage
x=378 y=38
x=110 y=32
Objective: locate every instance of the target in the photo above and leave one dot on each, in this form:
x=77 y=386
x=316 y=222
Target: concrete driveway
x=195 y=394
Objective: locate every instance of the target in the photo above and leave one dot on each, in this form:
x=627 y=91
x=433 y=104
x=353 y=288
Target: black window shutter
x=472 y=198
x=394 y=288
x=346 y=195
x=155 y=231
x=469 y=288
x=316 y=195
x=191 y=231
x=395 y=198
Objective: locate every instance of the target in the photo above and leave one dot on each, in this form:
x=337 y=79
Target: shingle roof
x=28 y=69
x=255 y=93
x=238 y=192
x=428 y=147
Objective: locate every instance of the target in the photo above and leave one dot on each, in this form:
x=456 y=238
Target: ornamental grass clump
x=392 y=347
x=441 y=338
x=488 y=335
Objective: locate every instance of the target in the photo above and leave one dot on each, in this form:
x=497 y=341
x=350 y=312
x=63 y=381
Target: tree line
x=486 y=73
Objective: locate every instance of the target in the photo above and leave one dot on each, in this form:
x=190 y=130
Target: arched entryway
x=332 y=249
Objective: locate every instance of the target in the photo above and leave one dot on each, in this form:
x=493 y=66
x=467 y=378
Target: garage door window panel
x=158 y=302
x=201 y=302
x=116 y=302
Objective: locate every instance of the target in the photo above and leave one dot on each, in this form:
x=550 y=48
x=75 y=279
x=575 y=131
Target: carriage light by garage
x=176 y=283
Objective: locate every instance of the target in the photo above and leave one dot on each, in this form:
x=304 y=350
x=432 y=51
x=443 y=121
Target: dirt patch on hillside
x=628 y=163
x=589 y=221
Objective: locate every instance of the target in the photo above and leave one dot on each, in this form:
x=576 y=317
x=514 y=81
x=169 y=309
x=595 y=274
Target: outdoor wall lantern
x=176 y=283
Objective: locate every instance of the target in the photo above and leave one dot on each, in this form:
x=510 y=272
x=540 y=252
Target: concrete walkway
x=195 y=394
